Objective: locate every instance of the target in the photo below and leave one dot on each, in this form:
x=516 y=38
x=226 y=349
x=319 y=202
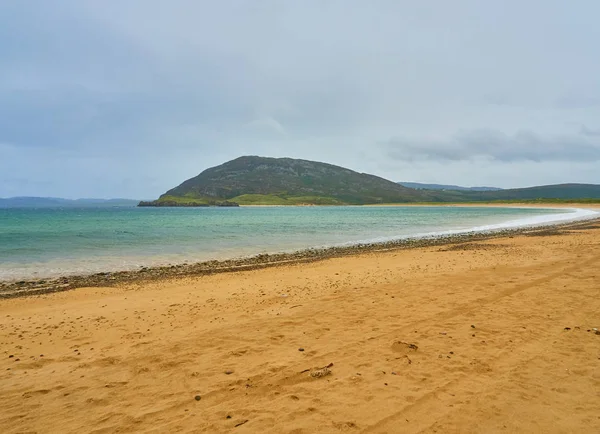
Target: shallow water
x=50 y=242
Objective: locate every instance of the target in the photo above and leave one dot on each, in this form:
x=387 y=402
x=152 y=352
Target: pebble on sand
x=197 y=397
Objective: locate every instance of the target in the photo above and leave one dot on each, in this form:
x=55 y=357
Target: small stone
x=300 y=349
x=472 y=326
x=197 y=397
x=229 y=372
x=11 y=356
x=228 y=417
x=567 y=328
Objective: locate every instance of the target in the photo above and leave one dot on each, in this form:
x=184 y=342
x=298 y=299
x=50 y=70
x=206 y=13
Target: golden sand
x=487 y=336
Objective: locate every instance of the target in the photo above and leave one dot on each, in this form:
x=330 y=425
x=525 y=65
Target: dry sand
x=487 y=336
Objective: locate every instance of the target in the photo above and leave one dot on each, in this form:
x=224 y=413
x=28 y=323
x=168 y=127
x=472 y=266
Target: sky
x=128 y=98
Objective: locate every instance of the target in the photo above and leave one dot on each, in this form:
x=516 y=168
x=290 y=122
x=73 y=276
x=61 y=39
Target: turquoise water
x=50 y=242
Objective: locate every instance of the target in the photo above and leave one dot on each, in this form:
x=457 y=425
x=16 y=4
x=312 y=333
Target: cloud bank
x=499 y=147
x=128 y=98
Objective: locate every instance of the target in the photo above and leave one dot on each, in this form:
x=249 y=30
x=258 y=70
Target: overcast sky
x=129 y=98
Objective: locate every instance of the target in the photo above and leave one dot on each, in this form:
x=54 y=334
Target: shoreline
x=40 y=286
x=525 y=204
x=447 y=338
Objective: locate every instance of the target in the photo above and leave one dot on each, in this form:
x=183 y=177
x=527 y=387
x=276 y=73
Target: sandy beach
x=489 y=336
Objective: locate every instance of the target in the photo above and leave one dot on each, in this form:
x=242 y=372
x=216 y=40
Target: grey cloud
x=148 y=89
x=589 y=132
x=578 y=101
x=496 y=146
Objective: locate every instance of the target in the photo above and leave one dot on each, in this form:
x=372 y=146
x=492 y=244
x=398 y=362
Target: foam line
x=573 y=214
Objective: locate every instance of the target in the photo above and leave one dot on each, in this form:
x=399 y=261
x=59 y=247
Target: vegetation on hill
x=421 y=186
x=254 y=180
x=559 y=191
x=282 y=181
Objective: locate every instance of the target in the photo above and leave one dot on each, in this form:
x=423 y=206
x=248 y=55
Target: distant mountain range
x=252 y=180
x=420 y=186
x=53 y=202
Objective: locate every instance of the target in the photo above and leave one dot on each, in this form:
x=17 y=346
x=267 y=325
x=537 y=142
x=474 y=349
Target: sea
x=51 y=242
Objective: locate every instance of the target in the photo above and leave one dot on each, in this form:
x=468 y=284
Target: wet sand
x=483 y=335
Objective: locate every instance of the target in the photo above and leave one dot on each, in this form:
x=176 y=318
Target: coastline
x=38 y=286
x=592 y=205
x=498 y=334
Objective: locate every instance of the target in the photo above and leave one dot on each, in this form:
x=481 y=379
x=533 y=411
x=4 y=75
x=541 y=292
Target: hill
x=420 y=186
x=282 y=181
x=561 y=192
x=56 y=202
x=254 y=180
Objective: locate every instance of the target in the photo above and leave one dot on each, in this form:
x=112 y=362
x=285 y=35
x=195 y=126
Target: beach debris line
x=10 y=289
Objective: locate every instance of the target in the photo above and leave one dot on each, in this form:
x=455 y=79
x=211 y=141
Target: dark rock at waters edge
x=49 y=285
x=171 y=203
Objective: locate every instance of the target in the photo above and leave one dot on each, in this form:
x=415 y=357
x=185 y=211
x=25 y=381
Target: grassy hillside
x=286 y=181
x=421 y=186
x=283 y=199
x=559 y=191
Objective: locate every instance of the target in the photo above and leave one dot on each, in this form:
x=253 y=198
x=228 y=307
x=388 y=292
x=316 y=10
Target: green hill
x=286 y=181
x=562 y=192
x=254 y=180
x=421 y=186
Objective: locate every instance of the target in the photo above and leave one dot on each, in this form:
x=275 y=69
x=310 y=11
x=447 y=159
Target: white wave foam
x=573 y=214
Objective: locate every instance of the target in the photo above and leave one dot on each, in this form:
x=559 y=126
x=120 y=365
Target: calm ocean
x=51 y=242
